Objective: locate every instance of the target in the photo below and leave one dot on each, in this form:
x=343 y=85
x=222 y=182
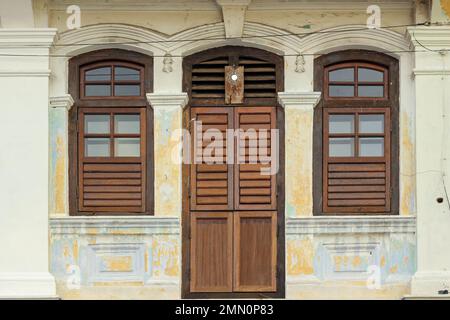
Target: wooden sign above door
x=234 y=85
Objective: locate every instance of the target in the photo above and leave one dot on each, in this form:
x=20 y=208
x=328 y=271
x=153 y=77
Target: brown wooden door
x=233 y=207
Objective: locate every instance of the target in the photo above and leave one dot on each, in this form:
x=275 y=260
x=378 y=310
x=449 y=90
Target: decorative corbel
x=233 y=12
x=300 y=64
x=167 y=62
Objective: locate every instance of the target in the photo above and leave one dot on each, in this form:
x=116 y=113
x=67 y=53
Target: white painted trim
x=354 y=36
x=178 y=100
x=428 y=283
x=25 y=73
x=107 y=225
x=23 y=285
x=432 y=37
x=352 y=225
x=323 y=6
x=304 y=279
x=431 y=72
x=124 y=5
x=65 y=101
x=12 y=37
x=299 y=100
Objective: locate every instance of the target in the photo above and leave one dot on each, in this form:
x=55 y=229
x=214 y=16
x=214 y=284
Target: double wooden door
x=233 y=200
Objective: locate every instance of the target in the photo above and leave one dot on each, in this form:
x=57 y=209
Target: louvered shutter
x=108 y=183
x=255 y=189
x=211 y=183
x=208 y=79
x=260 y=78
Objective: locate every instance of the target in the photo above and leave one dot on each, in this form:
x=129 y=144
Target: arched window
x=110 y=134
x=356 y=135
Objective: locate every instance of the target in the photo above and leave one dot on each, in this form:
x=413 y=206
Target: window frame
x=390 y=102
x=124 y=104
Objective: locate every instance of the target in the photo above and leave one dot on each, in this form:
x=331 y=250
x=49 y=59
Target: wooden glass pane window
x=356 y=136
x=356 y=80
x=112 y=166
x=111 y=79
x=356 y=161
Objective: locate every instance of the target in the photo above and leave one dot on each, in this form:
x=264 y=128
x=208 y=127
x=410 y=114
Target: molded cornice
x=301 y=100
x=178 y=100
x=41 y=37
x=432 y=37
x=65 y=101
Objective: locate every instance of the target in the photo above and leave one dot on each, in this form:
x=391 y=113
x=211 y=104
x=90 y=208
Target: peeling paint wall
x=115 y=255
x=407 y=165
x=167 y=171
x=111 y=259
x=58 y=171
x=298 y=162
x=330 y=265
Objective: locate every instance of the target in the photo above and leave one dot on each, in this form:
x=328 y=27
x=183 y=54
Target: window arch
x=356 y=134
x=110 y=134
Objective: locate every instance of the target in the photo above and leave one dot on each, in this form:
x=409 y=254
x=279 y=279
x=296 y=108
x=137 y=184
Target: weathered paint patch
x=298 y=162
x=58 y=161
x=445 y=5
x=118 y=263
x=300 y=257
x=407 y=166
x=167 y=172
x=166 y=252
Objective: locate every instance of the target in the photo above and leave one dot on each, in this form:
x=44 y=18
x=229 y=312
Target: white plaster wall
x=432 y=151
x=16 y=14
x=24 y=165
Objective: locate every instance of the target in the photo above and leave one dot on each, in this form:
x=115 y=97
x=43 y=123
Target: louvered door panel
x=211 y=176
x=255 y=186
x=211 y=252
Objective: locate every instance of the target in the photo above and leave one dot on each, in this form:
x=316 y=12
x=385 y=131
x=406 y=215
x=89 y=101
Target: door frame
x=185 y=218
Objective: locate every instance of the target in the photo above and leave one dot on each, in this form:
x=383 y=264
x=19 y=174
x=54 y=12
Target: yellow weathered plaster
x=167 y=171
x=60 y=182
x=118 y=263
x=407 y=177
x=299 y=162
x=75 y=250
x=166 y=252
x=300 y=255
x=168 y=23
x=445 y=5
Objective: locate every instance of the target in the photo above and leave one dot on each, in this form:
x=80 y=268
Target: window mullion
x=111 y=134
x=357 y=134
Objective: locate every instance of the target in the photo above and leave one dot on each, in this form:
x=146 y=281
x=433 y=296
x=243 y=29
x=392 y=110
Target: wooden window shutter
x=211 y=183
x=254 y=189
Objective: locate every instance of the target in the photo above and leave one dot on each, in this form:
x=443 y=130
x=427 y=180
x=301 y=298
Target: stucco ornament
x=168 y=61
x=300 y=64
